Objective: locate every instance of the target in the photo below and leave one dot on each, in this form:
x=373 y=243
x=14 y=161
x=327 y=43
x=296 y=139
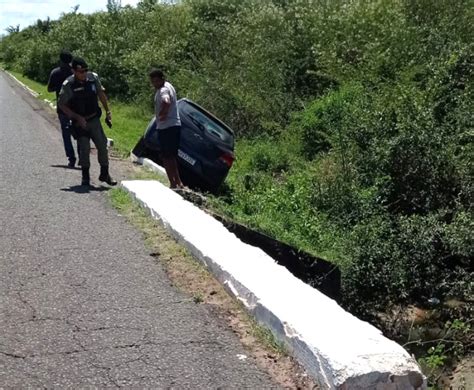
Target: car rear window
x=207 y=124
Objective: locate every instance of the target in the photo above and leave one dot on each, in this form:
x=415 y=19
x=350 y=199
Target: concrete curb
x=153 y=166
x=338 y=350
x=34 y=93
x=110 y=141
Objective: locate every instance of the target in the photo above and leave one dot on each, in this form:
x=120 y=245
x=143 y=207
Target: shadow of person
x=80 y=189
x=65 y=167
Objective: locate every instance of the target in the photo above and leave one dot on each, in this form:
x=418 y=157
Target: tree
x=43 y=25
x=114 y=6
x=13 y=29
x=147 y=5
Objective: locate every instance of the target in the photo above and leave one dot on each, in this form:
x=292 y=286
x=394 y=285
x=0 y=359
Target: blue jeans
x=67 y=137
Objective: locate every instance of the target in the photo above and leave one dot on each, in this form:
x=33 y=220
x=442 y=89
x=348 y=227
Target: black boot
x=105 y=176
x=86 y=179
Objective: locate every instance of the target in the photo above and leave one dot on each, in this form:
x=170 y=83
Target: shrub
x=407 y=259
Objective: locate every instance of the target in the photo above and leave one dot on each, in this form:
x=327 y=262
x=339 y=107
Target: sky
x=27 y=12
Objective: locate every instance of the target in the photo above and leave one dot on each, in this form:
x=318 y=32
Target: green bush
x=408 y=259
x=353 y=120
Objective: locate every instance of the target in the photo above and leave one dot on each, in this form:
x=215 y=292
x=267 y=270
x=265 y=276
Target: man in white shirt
x=168 y=125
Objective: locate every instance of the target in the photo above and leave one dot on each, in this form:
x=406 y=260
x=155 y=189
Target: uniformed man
x=56 y=79
x=78 y=99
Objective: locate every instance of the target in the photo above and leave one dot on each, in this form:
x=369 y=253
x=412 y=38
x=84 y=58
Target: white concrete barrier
x=50 y=103
x=34 y=93
x=153 y=166
x=337 y=349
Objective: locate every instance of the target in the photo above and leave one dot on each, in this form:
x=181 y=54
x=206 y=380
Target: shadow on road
x=66 y=167
x=79 y=189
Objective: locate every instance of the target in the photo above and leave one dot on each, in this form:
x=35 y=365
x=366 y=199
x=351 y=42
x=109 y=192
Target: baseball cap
x=79 y=63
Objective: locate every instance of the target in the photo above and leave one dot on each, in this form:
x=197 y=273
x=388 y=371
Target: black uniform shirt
x=86 y=92
x=57 y=77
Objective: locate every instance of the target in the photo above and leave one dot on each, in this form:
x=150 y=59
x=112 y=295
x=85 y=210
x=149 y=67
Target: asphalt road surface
x=82 y=304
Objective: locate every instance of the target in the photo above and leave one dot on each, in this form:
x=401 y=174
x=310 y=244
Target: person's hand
x=108 y=119
x=81 y=121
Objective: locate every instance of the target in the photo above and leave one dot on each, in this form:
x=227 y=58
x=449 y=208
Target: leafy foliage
x=354 y=120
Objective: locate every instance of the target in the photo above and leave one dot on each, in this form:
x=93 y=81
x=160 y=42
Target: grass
x=129 y=124
x=41 y=89
x=148 y=174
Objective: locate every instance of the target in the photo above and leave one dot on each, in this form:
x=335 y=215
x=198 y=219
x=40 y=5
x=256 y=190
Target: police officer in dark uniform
x=56 y=79
x=78 y=99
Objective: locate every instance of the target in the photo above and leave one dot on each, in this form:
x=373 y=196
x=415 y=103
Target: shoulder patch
x=95 y=78
x=92 y=76
x=68 y=80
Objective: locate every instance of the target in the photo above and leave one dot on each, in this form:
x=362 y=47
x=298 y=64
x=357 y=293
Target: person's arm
x=81 y=121
x=52 y=82
x=102 y=97
x=165 y=106
x=105 y=103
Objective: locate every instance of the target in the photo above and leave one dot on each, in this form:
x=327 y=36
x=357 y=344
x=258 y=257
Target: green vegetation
x=36 y=86
x=354 y=122
x=129 y=123
x=448 y=346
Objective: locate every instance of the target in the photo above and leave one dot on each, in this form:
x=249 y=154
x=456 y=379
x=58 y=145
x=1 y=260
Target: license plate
x=186 y=157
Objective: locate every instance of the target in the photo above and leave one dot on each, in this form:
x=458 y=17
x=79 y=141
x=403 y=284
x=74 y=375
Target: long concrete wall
x=337 y=349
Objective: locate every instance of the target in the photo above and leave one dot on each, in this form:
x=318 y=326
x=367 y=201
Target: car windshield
x=207 y=124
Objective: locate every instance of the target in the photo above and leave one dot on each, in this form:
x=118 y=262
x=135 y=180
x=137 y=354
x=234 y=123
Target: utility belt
x=90 y=117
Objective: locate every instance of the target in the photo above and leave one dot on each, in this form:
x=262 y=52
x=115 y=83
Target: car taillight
x=227 y=158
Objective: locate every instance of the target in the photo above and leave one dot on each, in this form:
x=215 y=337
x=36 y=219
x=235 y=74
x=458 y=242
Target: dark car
x=206 y=149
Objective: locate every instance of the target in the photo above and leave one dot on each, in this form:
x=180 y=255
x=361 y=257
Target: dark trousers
x=67 y=137
x=95 y=133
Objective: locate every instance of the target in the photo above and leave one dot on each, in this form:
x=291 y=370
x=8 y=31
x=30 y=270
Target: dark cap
x=65 y=56
x=78 y=63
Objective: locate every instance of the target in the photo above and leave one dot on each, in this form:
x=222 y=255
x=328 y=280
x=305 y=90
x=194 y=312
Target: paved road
x=82 y=304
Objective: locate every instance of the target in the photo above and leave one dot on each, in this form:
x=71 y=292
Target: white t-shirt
x=167 y=90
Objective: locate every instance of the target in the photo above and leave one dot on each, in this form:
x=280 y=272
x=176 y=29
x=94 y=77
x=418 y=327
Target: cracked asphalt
x=82 y=303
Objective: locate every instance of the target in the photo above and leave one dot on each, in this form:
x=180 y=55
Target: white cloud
x=27 y=12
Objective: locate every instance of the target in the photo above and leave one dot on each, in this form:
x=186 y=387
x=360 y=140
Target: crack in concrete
x=86 y=330
x=108 y=370
x=37 y=319
x=111 y=380
x=40 y=355
x=26 y=303
x=13 y=355
x=85 y=349
x=74 y=337
x=110 y=366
